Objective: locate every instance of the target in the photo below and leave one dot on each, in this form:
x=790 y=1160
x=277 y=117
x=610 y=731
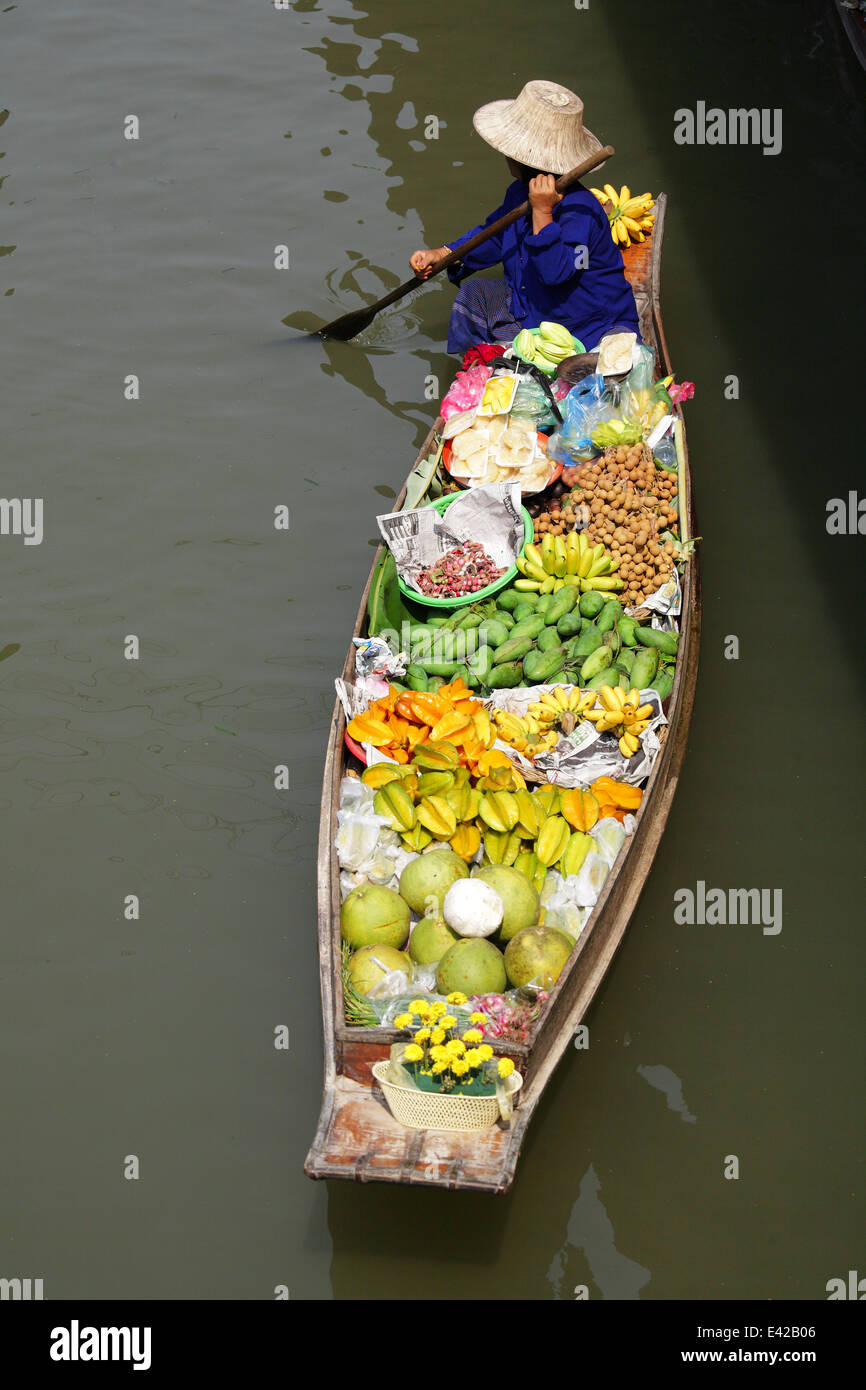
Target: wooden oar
x=351 y=324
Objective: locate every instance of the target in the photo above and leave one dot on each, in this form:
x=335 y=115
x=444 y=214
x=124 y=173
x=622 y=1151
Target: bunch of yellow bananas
x=549 y=710
x=618 y=708
x=546 y=568
x=629 y=217
x=525 y=734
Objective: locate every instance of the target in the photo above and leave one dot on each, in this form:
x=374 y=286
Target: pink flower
x=683 y=391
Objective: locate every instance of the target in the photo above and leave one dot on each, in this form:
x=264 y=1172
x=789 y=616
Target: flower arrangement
x=510 y=1021
x=438 y=1059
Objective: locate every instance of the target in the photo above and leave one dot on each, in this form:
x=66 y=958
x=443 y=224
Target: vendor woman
x=561 y=262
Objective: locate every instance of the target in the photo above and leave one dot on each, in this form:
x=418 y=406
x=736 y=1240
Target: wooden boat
x=357 y=1137
x=854 y=25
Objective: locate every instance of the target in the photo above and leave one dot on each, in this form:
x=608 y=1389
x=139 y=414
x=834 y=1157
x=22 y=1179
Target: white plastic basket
x=438 y=1110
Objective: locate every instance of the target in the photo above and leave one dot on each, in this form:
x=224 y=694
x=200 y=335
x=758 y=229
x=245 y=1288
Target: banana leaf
x=385 y=607
x=420 y=478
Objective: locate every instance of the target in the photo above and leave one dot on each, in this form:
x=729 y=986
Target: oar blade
x=349 y=326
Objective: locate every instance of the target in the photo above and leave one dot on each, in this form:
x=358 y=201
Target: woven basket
x=436 y=1110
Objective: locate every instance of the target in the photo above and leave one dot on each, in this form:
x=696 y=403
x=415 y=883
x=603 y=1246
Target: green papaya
x=644 y=667
x=591 y=604
x=416 y=677
x=468 y=676
x=529 y=627
x=506 y=676
x=493 y=632
x=589 y=640
x=663 y=684
x=609 y=615
x=562 y=603
x=666 y=642
x=597 y=661
x=609 y=676
x=569 y=625
x=547 y=638
x=515 y=649
x=539 y=667
x=481 y=664
x=508 y=599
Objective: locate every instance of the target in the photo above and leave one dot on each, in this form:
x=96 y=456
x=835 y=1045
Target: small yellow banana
x=608 y=698
x=560 y=557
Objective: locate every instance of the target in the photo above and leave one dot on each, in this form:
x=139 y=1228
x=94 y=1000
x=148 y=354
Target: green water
x=154 y=257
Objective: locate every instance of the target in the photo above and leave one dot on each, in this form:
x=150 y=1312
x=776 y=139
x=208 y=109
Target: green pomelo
x=371 y=963
x=430 y=940
x=374 y=916
x=536 y=954
x=472 y=965
x=519 y=898
x=427 y=879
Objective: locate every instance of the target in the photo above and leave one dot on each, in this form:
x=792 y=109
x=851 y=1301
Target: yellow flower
x=437 y=1036
x=422 y=1035
x=402 y=1020
x=419 y=1006
x=413 y=1053
x=473 y=1057
x=439 y=1067
x=459 y=1066
x=477 y=1018
x=455 y=1047
x=506 y=1066
x=447 y=1021
x=439 y=1054
x=436 y=1009
x=472 y=1035
x=485 y=1052
x=456 y=997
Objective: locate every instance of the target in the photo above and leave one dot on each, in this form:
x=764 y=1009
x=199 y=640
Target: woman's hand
x=424 y=262
x=543 y=198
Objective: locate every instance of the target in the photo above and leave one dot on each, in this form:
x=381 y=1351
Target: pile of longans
x=631 y=503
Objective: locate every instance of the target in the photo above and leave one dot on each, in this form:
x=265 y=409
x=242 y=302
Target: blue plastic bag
x=587 y=404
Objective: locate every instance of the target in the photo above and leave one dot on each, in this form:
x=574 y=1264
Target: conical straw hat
x=543 y=128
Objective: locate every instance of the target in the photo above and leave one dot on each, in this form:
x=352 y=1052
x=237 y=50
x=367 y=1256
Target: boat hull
x=356 y=1137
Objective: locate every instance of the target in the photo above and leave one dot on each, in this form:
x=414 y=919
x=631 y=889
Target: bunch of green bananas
x=547 y=347
x=558 y=561
x=612 y=433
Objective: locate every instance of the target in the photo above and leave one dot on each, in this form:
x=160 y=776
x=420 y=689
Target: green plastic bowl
x=548 y=371
x=441 y=504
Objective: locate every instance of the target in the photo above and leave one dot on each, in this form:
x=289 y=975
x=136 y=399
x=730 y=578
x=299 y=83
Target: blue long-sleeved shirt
x=545 y=271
